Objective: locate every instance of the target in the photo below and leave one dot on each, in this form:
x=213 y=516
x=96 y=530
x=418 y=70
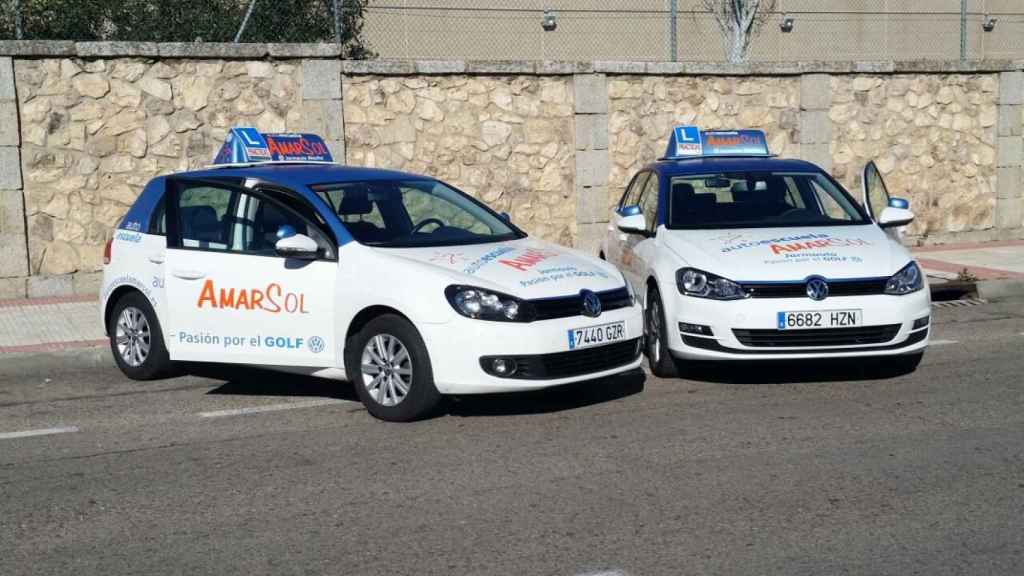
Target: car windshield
x=413 y=213
x=759 y=200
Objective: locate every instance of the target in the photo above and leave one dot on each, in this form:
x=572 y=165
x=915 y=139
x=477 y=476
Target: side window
x=828 y=204
x=158 y=219
x=203 y=220
x=649 y=202
x=632 y=195
x=256 y=230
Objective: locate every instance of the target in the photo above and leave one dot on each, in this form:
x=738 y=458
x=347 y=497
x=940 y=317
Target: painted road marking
x=942 y=342
x=269 y=408
x=37 y=432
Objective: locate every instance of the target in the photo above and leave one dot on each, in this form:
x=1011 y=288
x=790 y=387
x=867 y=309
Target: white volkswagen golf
x=398 y=282
x=742 y=256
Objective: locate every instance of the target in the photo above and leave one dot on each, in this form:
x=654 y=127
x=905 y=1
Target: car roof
x=715 y=164
x=299 y=176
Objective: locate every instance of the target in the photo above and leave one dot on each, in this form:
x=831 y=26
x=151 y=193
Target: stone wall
x=932 y=137
x=507 y=140
x=84 y=126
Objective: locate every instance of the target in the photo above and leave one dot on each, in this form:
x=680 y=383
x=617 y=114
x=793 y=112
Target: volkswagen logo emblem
x=591 y=304
x=817 y=288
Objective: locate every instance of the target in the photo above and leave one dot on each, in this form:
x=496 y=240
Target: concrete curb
x=22 y=364
x=1000 y=289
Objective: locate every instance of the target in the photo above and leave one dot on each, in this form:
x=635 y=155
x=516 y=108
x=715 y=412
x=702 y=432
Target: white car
x=738 y=255
x=398 y=282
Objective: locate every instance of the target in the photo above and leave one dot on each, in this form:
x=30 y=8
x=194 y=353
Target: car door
x=876 y=197
x=616 y=239
x=231 y=297
x=640 y=247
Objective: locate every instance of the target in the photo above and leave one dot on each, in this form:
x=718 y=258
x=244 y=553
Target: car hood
x=525 y=268
x=781 y=254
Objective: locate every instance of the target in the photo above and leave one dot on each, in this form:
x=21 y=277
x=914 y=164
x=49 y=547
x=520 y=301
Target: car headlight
x=693 y=282
x=482 y=304
x=907 y=280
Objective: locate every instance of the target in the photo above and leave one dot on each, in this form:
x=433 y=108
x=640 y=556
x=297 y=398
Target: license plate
x=597 y=335
x=819 y=319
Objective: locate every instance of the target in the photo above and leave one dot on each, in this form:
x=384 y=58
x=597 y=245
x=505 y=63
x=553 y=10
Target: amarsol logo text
x=529 y=258
x=272 y=299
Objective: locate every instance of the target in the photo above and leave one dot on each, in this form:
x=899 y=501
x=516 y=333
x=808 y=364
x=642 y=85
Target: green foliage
x=189 y=21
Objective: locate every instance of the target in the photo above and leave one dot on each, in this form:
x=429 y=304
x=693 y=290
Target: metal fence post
x=963 y=30
x=672 y=30
x=245 y=21
x=338 y=21
x=18 y=35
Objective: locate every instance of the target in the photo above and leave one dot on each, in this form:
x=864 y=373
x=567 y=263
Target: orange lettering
x=206 y=295
x=257 y=299
x=227 y=298
x=271 y=289
x=243 y=300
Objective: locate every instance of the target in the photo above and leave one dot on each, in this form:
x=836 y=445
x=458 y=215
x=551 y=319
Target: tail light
x=106 y=252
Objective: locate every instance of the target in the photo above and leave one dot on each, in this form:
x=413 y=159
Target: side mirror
x=895 y=217
x=298 y=246
x=633 y=224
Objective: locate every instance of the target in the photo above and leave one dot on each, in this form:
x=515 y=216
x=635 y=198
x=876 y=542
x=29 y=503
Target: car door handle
x=189 y=274
x=156 y=258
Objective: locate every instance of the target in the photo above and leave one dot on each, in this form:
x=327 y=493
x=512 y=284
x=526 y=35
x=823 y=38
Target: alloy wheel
x=386 y=369
x=133 y=337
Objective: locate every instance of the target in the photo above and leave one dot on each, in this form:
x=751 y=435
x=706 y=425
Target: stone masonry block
x=591 y=93
x=337 y=148
x=815 y=92
x=85 y=283
x=50 y=286
x=591 y=204
x=1010 y=151
x=588 y=239
x=1008 y=182
x=815 y=127
x=818 y=153
x=1009 y=213
x=9 y=133
x=592 y=168
x=1011 y=87
x=1010 y=120
x=10 y=168
x=321 y=80
x=12 y=288
x=324 y=117
x=591 y=131
x=6 y=80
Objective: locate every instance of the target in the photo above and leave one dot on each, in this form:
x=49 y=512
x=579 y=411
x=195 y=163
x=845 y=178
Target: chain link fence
x=658 y=30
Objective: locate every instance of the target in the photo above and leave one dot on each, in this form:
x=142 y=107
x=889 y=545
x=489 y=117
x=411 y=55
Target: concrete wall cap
x=387 y=67
x=440 y=66
x=304 y=50
x=211 y=50
x=116 y=49
x=501 y=67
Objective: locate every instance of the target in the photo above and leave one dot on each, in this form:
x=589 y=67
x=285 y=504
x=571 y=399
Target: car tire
x=136 y=339
x=663 y=364
x=402 y=387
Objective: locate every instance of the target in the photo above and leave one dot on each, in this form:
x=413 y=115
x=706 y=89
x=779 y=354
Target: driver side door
x=231 y=296
x=876 y=197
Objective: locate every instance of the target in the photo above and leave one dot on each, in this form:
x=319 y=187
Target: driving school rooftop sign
x=249 y=146
x=691 y=142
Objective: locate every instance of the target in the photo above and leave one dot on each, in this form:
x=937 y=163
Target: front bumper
x=888 y=328
x=457 y=347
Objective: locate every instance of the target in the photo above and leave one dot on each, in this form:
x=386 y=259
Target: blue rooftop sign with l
x=691 y=142
x=249 y=146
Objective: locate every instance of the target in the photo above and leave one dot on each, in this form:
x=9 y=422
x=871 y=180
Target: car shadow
x=548 y=400
x=248 y=381
x=791 y=371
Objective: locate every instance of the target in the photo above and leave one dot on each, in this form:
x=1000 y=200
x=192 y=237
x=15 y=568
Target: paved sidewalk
x=988 y=261
x=52 y=324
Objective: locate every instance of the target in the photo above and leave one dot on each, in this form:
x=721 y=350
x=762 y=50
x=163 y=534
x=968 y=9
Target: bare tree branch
x=740 y=21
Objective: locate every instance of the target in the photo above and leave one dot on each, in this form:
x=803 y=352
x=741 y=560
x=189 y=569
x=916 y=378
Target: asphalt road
x=765 y=469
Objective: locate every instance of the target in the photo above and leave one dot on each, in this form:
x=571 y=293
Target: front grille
x=868 y=287
x=568 y=306
x=823 y=338
x=573 y=362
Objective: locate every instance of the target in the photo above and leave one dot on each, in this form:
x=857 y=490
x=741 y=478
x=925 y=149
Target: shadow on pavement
x=568 y=397
x=245 y=381
x=791 y=372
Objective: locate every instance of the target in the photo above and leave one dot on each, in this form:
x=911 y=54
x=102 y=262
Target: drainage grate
x=965 y=303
